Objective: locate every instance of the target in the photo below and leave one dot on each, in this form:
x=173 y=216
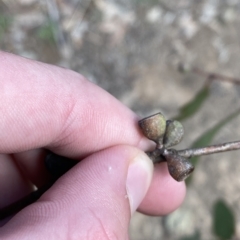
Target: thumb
x=94 y=200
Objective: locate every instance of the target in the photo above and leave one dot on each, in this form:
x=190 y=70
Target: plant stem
x=223 y=147
x=215 y=76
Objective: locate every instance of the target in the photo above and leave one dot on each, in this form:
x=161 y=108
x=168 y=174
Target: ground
x=133 y=50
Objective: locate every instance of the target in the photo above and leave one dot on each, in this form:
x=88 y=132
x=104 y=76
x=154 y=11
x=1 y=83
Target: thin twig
x=85 y=11
x=223 y=147
x=215 y=76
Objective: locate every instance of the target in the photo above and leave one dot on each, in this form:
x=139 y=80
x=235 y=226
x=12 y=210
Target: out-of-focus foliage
x=223 y=220
x=5 y=21
x=190 y=108
x=207 y=137
x=46 y=32
x=195 y=236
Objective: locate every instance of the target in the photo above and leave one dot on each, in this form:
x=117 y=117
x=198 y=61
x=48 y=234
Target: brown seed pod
x=154 y=127
x=179 y=167
x=174 y=133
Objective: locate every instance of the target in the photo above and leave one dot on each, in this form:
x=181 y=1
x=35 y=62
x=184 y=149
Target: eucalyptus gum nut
x=154 y=127
x=174 y=133
x=179 y=167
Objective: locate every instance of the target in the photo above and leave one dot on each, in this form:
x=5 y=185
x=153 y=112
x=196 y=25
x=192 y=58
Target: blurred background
x=135 y=50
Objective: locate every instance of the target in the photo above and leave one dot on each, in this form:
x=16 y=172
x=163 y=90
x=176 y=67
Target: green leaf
x=193 y=106
x=195 y=236
x=223 y=220
x=207 y=137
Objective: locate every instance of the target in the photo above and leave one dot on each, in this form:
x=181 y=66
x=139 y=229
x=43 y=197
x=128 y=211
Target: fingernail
x=138 y=181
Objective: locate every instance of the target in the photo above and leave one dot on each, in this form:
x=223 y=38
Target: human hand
x=46 y=107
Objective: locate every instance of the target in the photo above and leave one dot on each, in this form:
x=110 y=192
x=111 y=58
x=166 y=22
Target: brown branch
x=215 y=76
x=223 y=147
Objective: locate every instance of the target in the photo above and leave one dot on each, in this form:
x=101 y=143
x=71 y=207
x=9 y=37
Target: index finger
x=48 y=106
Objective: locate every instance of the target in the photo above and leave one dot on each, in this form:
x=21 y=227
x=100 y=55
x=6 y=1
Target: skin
x=47 y=107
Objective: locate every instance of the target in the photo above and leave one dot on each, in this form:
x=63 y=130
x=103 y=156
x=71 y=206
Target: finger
x=163 y=187
x=75 y=123
x=18 y=178
x=13 y=185
x=32 y=165
x=93 y=200
x=58 y=108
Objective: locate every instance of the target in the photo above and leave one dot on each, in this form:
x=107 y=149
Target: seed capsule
x=154 y=127
x=179 y=167
x=174 y=133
